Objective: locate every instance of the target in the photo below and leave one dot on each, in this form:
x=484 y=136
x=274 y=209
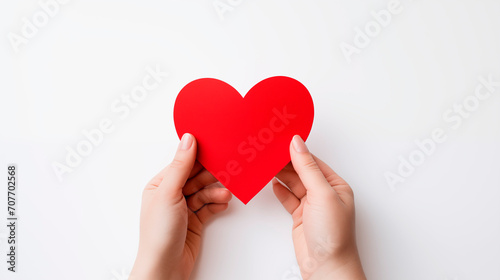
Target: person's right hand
x=322 y=207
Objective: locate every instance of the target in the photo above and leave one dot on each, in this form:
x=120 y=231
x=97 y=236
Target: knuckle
x=310 y=164
x=191 y=203
x=347 y=189
x=207 y=195
x=350 y=191
x=211 y=209
x=176 y=163
x=201 y=198
x=331 y=178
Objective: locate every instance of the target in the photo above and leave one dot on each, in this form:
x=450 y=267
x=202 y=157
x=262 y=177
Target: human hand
x=322 y=208
x=176 y=204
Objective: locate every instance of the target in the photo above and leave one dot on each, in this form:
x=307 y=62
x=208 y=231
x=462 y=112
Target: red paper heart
x=244 y=142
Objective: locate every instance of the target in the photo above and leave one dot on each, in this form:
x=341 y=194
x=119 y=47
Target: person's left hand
x=176 y=204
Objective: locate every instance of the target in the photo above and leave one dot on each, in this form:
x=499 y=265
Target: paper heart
x=244 y=142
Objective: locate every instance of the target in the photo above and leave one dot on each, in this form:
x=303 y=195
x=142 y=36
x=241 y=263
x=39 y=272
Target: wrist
x=343 y=267
x=150 y=269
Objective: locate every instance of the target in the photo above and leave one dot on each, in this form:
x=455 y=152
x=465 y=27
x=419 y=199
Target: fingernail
x=186 y=142
x=299 y=145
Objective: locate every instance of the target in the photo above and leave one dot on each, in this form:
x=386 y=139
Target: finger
x=306 y=167
x=285 y=196
x=290 y=178
x=209 y=210
x=206 y=196
x=343 y=189
x=197 y=168
x=331 y=176
x=178 y=171
x=201 y=180
x=194 y=223
x=155 y=182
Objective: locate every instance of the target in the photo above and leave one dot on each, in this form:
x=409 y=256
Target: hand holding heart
x=322 y=207
x=178 y=202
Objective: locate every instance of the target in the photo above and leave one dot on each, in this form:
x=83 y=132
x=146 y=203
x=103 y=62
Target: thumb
x=177 y=172
x=306 y=167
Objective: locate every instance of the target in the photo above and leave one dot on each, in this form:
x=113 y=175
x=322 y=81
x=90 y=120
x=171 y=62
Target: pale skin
x=178 y=202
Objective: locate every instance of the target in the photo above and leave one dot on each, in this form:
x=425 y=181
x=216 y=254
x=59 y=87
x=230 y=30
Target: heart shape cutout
x=244 y=141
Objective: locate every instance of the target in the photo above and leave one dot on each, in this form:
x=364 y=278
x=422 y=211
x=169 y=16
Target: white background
x=441 y=223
